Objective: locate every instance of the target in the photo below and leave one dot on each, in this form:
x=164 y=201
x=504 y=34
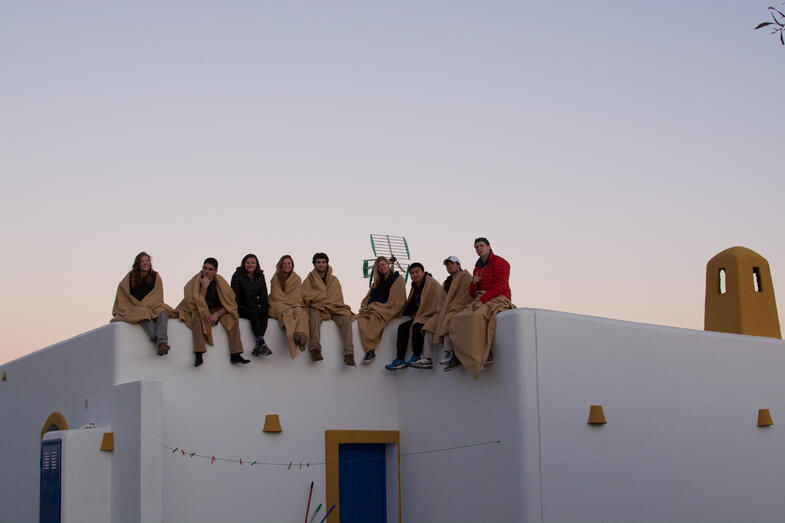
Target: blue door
x=362 y=483
x=50 y=481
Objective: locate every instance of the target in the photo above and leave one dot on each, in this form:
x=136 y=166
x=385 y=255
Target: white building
x=681 y=443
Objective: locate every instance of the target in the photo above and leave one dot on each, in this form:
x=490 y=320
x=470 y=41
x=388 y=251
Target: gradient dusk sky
x=607 y=149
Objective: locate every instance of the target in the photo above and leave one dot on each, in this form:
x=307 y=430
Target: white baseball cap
x=452 y=259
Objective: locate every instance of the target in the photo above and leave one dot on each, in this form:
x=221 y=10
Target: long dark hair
x=136 y=272
x=258 y=272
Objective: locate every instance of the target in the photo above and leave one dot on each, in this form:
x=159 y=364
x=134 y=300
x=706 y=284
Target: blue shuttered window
x=50 y=481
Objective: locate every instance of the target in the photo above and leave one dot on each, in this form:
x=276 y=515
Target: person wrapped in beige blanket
x=472 y=329
x=436 y=330
x=209 y=300
x=140 y=299
x=425 y=299
x=286 y=304
x=323 y=298
x=384 y=301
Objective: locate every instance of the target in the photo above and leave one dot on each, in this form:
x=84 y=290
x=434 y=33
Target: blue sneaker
x=411 y=360
x=395 y=365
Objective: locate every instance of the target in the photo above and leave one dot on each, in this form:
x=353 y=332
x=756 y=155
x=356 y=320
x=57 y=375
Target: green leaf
x=763 y=24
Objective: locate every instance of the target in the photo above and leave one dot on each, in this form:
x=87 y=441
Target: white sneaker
x=423 y=363
x=446 y=358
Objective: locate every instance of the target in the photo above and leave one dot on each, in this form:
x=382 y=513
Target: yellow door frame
x=332 y=441
x=55 y=421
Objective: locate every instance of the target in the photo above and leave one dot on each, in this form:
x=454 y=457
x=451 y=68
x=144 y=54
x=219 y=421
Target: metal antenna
x=395 y=248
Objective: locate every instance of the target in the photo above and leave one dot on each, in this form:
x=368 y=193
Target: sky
x=607 y=149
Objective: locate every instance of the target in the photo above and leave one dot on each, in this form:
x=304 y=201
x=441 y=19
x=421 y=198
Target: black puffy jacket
x=249 y=292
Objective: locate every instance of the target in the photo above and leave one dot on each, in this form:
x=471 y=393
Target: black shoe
x=453 y=364
x=198 y=359
x=369 y=356
x=265 y=349
x=489 y=361
x=238 y=358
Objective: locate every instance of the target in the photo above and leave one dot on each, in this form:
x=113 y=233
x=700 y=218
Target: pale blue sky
x=607 y=149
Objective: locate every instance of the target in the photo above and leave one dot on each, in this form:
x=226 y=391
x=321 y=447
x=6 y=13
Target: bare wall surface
x=440 y=410
x=59 y=378
x=219 y=409
x=137 y=459
x=681 y=442
x=85 y=475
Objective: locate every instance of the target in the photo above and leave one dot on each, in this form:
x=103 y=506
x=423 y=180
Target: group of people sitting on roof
x=460 y=314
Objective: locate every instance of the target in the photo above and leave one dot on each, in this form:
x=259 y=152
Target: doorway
x=362 y=480
x=363 y=475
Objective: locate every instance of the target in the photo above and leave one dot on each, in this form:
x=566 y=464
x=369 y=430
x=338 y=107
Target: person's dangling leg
x=161 y=338
x=236 y=345
x=198 y=338
x=344 y=323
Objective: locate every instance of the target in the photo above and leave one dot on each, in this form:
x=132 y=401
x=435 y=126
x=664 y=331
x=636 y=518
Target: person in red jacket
x=472 y=329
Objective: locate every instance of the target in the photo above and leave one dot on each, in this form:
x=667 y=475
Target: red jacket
x=494 y=278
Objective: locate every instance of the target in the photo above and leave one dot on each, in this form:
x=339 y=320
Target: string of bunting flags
x=307 y=464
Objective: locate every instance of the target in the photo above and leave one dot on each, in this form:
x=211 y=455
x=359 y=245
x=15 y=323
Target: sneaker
x=446 y=358
x=396 y=364
x=489 y=361
x=257 y=351
x=422 y=363
x=265 y=350
x=316 y=354
x=369 y=356
x=238 y=358
x=411 y=360
x=453 y=364
x=349 y=359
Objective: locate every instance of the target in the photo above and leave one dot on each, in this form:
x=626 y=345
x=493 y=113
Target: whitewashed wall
x=86 y=486
x=219 y=410
x=59 y=378
x=681 y=443
x=451 y=409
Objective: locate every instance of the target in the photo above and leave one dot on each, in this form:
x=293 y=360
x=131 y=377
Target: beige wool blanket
x=287 y=307
x=373 y=318
x=326 y=296
x=193 y=303
x=431 y=302
x=457 y=298
x=471 y=332
x=130 y=310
